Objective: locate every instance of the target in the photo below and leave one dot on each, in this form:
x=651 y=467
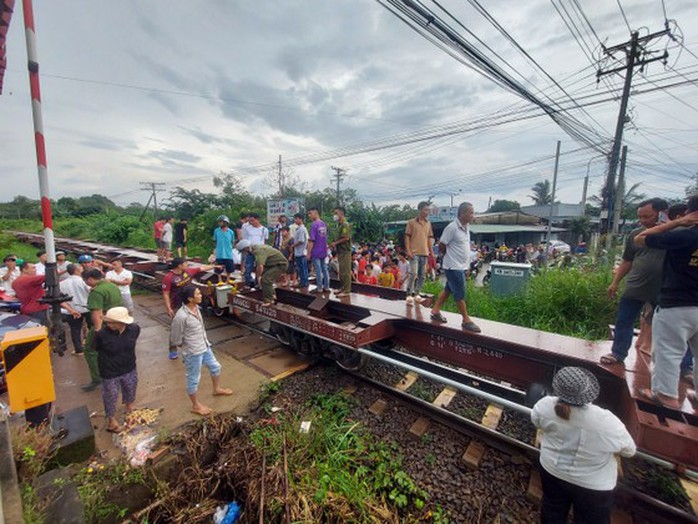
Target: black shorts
x=180 y=243
x=227 y=263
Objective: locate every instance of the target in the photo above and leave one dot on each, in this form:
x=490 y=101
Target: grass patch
x=337 y=471
x=570 y=302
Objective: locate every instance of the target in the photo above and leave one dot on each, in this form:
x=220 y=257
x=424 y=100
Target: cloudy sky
x=177 y=91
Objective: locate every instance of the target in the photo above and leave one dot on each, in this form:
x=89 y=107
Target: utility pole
x=634 y=50
x=339 y=175
x=620 y=191
x=154 y=188
x=281 y=179
x=552 y=198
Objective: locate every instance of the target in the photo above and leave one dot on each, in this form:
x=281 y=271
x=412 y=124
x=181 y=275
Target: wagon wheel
x=348 y=359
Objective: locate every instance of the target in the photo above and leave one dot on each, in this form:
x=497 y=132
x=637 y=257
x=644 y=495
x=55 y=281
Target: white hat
x=243 y=244
x=118 y=314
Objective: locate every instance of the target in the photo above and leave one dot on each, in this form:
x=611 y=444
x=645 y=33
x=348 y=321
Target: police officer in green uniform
x=342 y=245
x=270 y=264
x=103 y=296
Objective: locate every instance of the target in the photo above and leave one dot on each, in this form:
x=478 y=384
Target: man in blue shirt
x=224 y=239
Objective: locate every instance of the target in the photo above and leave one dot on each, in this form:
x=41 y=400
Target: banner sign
x=443 y=214
x=286 y=206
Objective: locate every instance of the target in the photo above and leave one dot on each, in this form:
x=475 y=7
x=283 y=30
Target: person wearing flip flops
x=188 y=334
x=419 y=242
x=642 y=269
x=577 y=449
x=675 y=322
x=455 y=244
x=115 y=344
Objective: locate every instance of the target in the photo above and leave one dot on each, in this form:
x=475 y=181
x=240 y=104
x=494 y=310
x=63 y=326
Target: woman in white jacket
x=578 y=447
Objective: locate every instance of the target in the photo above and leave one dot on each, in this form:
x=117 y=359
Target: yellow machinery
x=27 y=360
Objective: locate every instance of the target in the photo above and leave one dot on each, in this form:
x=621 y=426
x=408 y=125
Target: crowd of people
x=579 y=440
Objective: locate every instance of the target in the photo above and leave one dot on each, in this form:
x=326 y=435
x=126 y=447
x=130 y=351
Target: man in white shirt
x=75 y=287
x=41 y=264
x=61 y=266
x=8 y=274
x=167 y=236
x=455 y=243
x=122 y=278
x=257 y=234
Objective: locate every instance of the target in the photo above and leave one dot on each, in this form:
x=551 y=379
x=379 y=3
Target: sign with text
x=443 y=214
x=284 y=206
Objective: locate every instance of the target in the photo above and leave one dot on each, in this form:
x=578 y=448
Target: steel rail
x=415 y=366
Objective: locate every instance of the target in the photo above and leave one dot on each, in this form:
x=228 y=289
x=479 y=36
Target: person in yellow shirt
x=386 y=278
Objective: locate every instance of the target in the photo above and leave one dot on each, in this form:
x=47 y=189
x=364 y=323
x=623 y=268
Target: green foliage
x=569 y=302
x=94 y=484
x=339 y=466
x=500 y=206
x=542 y=193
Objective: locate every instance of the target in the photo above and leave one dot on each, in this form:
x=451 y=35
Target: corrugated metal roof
x=6 y=9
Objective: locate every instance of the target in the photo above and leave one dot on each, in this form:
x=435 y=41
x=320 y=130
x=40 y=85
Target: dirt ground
x=161 y=382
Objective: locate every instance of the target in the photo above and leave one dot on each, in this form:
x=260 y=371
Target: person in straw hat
x=115 y=345
x=578 y=444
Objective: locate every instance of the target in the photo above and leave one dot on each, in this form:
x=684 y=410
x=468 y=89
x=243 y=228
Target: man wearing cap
x=103 y=296
x=115 y=345
x=223 y=240
x=578 y=444
x=188 y=334
x=8 y=274
x=270 y=265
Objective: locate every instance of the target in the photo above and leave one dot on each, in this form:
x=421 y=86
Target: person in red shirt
x=157 y=235
x=179 y=276
x=29 y=289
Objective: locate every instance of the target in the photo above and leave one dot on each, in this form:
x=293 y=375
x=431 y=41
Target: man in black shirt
x=115 y=344
x=675 y=322
x=180 y=237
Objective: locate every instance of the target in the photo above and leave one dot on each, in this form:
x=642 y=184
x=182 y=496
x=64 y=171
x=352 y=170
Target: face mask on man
x=335 y=218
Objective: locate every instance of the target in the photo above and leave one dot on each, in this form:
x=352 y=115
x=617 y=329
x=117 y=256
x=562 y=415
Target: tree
x=501 y=206
x=580 y=227
x=693 y=188
x=542 y=195
x=284 y=182
x=189 y=204
x=631 y=199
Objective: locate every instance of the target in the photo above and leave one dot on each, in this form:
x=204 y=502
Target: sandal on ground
x=654 y=398
x=610 y=359
x=438 y=317
x=471 y=326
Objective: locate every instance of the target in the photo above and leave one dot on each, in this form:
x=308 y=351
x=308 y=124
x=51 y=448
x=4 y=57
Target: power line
x=624 y=17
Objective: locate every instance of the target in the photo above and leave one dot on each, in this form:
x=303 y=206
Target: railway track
x=365 y=328
x=633 y=505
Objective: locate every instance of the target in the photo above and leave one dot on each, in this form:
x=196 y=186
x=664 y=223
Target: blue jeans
x=249 y=268
x=628 y=311
x=192 y=366
x=322 y=274
x=301 y=262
